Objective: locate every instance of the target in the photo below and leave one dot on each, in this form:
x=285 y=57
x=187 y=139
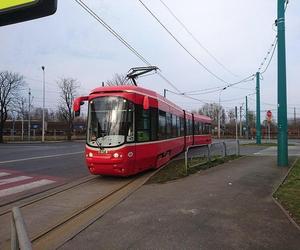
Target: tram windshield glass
x=110 y=121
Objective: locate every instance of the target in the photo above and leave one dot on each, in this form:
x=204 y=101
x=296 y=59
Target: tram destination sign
x=15 y=11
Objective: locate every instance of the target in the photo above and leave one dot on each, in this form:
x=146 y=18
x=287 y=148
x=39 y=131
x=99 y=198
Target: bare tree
x=67 y=88
x=10 y=88
x=211 y=110
x=118 y=79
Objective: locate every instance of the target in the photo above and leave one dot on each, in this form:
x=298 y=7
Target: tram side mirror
x=77 y=103
x=23 y=10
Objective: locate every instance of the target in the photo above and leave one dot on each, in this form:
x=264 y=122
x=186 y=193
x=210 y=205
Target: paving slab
x=227 y=207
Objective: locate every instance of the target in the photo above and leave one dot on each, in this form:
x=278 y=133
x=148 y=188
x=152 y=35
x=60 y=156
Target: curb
x=286 y=212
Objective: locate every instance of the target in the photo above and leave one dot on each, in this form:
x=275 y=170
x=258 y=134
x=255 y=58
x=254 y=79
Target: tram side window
x=189 y=127
x=178 y=126
x=161 y=125
x=169 y=125
x=154 y=123
x=207 y=128
x=174 y=126
x=196 y=128
x=200 y=128
x=181 y=126
x=142 y=124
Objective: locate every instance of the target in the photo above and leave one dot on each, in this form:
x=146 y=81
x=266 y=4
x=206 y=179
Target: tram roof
x=140 y=90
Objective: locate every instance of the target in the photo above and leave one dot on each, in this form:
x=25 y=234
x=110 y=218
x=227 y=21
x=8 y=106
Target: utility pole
x=43 y=129
x=219 y=113
x=295 y=118
x=241 y=124
x=22 y=113
x=29 y=104
x=247 y=131
x=236 y=123
x=282 y=145
x=258 y=125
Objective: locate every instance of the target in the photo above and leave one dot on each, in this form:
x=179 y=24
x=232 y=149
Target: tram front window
x=110 y=122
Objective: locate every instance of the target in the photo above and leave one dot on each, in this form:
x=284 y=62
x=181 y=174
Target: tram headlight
x=91 y=154
x=115 y=155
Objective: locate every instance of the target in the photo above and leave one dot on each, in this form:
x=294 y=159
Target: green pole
x=282 y=145
x=247 y=131
x=258 y=125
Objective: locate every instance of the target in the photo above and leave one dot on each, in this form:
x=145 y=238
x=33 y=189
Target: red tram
x=131 y=129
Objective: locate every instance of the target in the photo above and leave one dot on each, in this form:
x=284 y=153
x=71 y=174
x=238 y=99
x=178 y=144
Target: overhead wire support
x=197 y=40
x=181 y=45
x=122 y=40
x=271 y=52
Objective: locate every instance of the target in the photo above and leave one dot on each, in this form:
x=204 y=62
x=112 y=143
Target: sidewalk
x=226 y=207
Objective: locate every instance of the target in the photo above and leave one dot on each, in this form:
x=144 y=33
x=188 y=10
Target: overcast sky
x=237 y=32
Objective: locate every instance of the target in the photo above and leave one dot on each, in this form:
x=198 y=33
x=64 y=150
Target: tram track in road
x=55 y=218
x=38 y=196
x=69 y=227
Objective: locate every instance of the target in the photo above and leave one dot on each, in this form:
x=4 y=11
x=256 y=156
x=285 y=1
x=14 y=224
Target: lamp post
x=43 y=129
x=219 y=113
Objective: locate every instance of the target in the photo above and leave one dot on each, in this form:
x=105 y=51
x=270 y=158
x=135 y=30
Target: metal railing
x=19 y=236
x=196 y=155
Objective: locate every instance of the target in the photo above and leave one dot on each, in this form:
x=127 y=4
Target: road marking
x=14 y=179
x=24 y=187
x=40 y=157
x=4 y=174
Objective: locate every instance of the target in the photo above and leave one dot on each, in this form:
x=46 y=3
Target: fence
x=196 y=155
x=19 y=237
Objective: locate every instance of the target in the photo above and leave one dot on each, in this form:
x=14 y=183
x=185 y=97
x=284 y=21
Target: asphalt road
x=28 y=168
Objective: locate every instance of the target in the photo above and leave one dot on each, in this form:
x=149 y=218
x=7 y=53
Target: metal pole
x=219 y=114
x=43 y=129
x=29 y=104
x=282 y=145
x=269 y=131
x=258 y=125
x=22 y=113
x=247 y=131
x=236 y=123
x=241 y=124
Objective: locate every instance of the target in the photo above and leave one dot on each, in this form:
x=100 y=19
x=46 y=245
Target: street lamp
x=219 y=113
x=43 y=129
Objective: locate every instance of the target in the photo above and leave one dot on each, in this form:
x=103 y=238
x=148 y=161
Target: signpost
x=269 y=119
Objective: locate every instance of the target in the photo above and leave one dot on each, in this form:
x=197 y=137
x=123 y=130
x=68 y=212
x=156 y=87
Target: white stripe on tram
x=24 y=187
x=14 y=179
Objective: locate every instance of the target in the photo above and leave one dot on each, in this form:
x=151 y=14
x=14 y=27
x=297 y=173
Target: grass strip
x=288 y=193
x=176 y=169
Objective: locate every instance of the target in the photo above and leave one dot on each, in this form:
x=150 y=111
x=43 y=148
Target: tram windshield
x=110 y=121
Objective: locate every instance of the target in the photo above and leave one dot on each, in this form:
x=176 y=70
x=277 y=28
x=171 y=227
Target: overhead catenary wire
x=271 y=52
x=181 y=45
x=196 y=39
x=122 y=40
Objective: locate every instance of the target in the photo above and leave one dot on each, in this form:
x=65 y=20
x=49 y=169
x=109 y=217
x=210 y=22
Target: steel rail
x=69 y=227
x=61 y=188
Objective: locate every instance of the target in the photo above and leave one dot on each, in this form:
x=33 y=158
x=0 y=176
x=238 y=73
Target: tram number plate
x=103 y=151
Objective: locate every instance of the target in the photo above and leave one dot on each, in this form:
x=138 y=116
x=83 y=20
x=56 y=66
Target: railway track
x=44 y=194
x=62 y=229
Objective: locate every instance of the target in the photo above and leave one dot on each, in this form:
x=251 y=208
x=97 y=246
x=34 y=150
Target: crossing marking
x=14 y=179
x=2 y=174
x=24 y=187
